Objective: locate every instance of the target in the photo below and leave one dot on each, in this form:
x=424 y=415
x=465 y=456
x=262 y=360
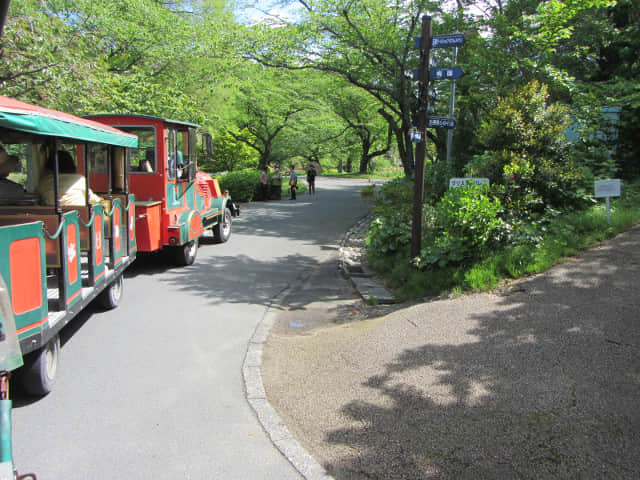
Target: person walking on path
x=264 y=185
x=293 y=182
x=311 y=179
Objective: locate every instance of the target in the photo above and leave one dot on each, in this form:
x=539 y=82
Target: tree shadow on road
x=540 y=383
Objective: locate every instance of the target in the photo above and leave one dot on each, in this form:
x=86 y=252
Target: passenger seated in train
x=72 y=185
x=8 y=188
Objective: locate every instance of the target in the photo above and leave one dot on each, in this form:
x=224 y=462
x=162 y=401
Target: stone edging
x=351 y=253
x=271 y=422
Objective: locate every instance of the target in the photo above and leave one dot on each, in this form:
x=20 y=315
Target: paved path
x=540 y=381
x=154 y=389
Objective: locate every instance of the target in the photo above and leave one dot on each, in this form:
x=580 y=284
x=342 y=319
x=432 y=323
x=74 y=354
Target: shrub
x=394 y=194
x=436 y=181
x=388 y=234
x=243 y=185
x=368 y=191
x=524 y=130
x=467 y=223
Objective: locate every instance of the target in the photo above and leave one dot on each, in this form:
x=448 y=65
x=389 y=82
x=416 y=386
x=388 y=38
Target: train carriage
x=176 y=203
x=58 y=256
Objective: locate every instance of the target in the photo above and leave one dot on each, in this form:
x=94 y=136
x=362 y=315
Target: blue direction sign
x=443 y=41
x=445 y=73
x=441 y=122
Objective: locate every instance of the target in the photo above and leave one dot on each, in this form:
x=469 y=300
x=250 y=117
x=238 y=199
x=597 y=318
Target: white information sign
x=464 y=182
x=607 y=188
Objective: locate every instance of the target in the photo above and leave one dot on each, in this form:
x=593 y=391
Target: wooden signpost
x=425 y=75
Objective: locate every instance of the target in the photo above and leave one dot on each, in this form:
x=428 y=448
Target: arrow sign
x=441 y=122
x=445 y=73
x=443 y=41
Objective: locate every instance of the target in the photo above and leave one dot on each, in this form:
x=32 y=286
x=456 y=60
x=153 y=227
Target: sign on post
x=464 y=182
x=607 y=189
x=441 y=122
x=445 y=73
x=443 y=41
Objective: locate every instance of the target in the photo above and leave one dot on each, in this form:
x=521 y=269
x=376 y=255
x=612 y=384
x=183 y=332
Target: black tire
x=111 y=296
x=186 y=254
x=38 y=375
x=222 y=231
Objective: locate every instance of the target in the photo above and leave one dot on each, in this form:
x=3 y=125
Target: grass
x=379 y=174
x=564 y=237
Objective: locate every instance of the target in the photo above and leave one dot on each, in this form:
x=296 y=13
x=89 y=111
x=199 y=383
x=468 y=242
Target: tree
x=139 y=56
x=521 y=41
x=368 y=43
x=365 y=126
x=267 y=102
x=228 y=154
x=43 y=60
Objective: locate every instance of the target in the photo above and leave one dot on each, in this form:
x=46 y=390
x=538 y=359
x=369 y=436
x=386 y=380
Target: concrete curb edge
x=278 y=432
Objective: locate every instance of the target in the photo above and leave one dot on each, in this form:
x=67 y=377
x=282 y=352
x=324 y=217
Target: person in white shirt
x=71 y=185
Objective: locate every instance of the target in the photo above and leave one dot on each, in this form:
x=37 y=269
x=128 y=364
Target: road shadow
x=245 y=279
x=542 y=382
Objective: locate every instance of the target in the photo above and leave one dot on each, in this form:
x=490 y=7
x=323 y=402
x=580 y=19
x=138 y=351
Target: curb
x=272 y=424
x=356 y=271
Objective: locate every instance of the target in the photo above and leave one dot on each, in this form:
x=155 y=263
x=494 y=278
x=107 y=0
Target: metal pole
x=418 y=185
x=452 y=100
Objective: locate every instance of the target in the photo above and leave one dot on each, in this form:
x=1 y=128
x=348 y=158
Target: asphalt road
x=153 y=389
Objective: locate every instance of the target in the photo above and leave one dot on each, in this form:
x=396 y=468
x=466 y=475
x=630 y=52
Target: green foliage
x=242 y=185
x=466 y=225
x=138 y=56
x=228 y=154
x=561 y=237
x=526 y=134
x=394 y=194
x=523 y=123
x=436 y=181
x=389 y=234
x=368 y=191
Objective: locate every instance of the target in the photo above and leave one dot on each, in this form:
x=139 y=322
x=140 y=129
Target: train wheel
x=38 y=374
x=111 y=296
x=222 y=231
x=186 y=254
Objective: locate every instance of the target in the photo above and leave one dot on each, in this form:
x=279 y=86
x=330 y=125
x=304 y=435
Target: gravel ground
x=538 y=381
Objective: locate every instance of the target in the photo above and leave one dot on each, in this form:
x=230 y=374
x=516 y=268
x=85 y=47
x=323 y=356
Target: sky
x=257 y=11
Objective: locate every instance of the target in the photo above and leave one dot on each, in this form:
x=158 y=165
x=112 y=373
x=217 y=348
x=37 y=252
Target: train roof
x=24 y=117
x=135 y=115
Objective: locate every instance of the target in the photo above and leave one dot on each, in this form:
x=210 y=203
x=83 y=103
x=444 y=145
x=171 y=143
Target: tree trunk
x=403 y=140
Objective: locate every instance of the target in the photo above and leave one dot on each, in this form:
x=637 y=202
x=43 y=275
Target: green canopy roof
x=16 y=115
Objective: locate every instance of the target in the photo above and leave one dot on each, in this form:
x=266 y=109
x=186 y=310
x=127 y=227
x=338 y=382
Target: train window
x=179 y=163
x=143 y=158
x=98 y=158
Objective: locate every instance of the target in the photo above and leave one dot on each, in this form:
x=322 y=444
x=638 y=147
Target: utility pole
x=420 y=153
